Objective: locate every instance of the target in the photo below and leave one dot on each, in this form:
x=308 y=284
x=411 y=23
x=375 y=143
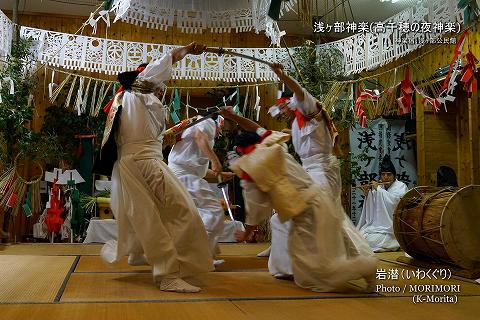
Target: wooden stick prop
x=171 y=133
x=220 y=51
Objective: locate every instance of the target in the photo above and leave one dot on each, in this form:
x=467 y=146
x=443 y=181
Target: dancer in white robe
x=189 y=160
x=317 y=249
x=157 y=220
x=313 y=140
x=376 y=220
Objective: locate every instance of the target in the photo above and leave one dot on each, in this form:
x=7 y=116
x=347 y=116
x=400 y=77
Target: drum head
x=405 y=232
x=461 y=227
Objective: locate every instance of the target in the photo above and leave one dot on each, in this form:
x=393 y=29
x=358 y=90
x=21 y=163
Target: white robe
x=257 y=204
x=376 y=223
x=155 y=213
x=190 y=165
x=313 y=143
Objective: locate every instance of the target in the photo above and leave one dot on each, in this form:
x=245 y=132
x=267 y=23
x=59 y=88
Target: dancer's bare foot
x=177 y=285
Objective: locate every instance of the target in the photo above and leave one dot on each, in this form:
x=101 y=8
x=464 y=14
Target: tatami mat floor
x=70 y=281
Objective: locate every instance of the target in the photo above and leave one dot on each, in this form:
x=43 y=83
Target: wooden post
x=16 y=26
x=473 y=137
x=464 y=149
x=420 y=123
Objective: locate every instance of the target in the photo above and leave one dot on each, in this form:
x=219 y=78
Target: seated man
x=273 y=179
x=376 y=223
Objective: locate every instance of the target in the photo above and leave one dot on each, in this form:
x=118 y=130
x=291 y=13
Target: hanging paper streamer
x=468 y=74
x=12 y=87
x=236 y=107
x=27 y=205
x=92 y=21
x=450 y=81
x=470 y=11
x=176 y=106
x=70 y=92
x=58 y=89
x=359 y=110
x=85 y=98
x=51 y=85
x=79 y=99
x=257 y=104
x=433 y=102
x=245 y=104
x=94 y=111
x=406 y=89
x=103 y=94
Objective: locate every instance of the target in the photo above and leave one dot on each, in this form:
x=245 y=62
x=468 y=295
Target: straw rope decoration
x=13 y=184
x=333 y=95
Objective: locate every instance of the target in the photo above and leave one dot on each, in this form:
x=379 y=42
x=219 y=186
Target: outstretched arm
x=201 y=139
x=289 y=81
x=244 y=123
x=226 y=175
x=180 y=53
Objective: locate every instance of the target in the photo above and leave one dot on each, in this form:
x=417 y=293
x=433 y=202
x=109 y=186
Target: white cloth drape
x=376 y=221
x=190 y=165
x=101 y=231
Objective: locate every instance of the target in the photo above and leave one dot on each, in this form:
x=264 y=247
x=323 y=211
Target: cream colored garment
x=267 y=164
x=155 y=214
x=257 y=203
x=316 y=242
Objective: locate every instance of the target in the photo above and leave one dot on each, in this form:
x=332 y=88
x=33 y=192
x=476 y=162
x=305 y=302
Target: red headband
x=283 y=100
x=251 y=147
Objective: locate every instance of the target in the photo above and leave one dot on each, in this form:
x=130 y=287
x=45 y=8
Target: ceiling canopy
x=195 y=16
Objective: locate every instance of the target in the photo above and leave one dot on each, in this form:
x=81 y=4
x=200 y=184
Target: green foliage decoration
x=17 y=110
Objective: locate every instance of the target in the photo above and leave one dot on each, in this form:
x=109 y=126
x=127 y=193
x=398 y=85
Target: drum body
x=440 y=224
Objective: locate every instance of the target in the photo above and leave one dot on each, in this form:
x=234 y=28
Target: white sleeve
x=395 y=192
x=158 y=70
x=307 y=107
x=208 y=127
x=190 y=132
x=258 y=206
